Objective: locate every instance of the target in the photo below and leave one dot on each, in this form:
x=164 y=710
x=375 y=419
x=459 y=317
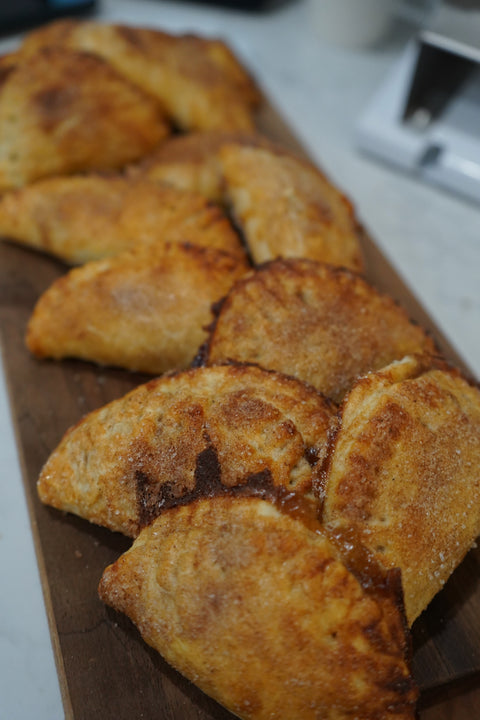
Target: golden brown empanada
x=89 y=217
x=190 y=161
x=322 y=324
x=259 y=611
x=199 y=81
x=64 y=111
x=287 y=208
x=183 y=435
x=143 y=309
x=402 y=476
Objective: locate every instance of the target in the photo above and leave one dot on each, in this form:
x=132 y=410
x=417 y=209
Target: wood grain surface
x=106 y=671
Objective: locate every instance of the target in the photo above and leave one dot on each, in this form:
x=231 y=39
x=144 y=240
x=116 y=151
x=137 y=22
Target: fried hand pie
x=402 y=473
x=64 y=111
x=287 y=208
x=201 y=430
x=259 y=612
x=322 y=324
x=142 y=310
x=190 y=161
x=199 y=81
x=84 y=218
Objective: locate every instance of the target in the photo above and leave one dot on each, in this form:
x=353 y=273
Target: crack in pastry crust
x=169 y=439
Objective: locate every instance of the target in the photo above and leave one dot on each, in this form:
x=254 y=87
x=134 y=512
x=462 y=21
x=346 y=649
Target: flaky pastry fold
x=402 y=472
x=88 y=217
x=64 y=111
x=142 y=310
x=286 y=207
x=199 y=81
x=261 y=613
x=323 y=324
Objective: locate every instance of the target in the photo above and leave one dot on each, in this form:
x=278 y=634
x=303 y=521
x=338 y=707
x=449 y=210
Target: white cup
x=351 y=23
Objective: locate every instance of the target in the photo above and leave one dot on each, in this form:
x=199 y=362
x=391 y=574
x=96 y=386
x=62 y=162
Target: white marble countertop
x=432 y=238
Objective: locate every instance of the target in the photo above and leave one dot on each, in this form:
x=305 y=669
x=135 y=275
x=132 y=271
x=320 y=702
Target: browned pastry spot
x=199 y=81
x=260 y=612
x=185 y=435
x=322 y=324
x=64 y=111
x=402 y=472
x=78 y=219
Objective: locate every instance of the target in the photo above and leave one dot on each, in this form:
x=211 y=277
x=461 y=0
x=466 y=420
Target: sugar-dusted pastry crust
x=64 y=111
x=143 y=309
x=185 y=434
x=322 y=324
x=260 y=612
x=287 y=208
x=402 y=473
x=190 y=161
x=89 y=217
x=200 y=82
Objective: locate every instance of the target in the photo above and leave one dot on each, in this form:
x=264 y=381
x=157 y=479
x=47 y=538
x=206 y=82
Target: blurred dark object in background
x=245 y=4
x=16 y=15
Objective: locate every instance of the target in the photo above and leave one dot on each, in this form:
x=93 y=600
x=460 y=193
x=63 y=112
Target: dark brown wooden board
x=106 y=671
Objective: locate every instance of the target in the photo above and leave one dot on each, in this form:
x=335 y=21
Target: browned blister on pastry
x=142 y=310
x=83 y=218
x=190 y=161
x=402 y=473
x=64 y=111
x=200 y=82
x=287 y=208
x=260 y=612
x=322 y=324
x=199 y=431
